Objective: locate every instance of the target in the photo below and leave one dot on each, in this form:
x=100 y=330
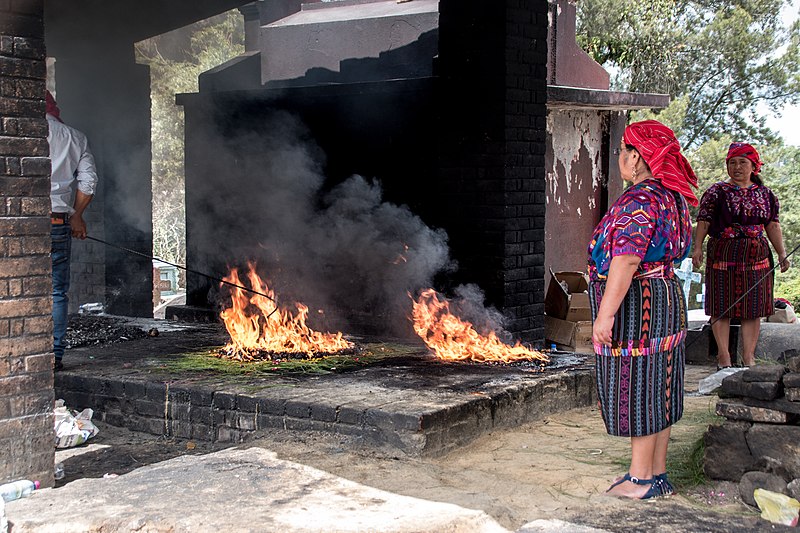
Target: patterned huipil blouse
x=647 y=221
x=734 y=211
x=651 y=222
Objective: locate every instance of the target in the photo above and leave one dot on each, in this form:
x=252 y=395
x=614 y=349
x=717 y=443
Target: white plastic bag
x=73 y=429
x=711 y=383
x=777 y=508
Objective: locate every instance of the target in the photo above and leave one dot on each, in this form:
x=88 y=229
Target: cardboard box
x=571 y=336
x=568 y=315
x=583 y=337
x=571 y=304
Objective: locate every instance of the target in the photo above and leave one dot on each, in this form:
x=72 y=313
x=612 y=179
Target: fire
x=453 y=339
x=255 y=325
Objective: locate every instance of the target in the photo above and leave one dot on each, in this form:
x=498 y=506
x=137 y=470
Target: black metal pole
x=213 y=278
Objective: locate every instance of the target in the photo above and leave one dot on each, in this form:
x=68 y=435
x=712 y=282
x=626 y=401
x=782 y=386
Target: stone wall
x=26 y=361
x=758 y=445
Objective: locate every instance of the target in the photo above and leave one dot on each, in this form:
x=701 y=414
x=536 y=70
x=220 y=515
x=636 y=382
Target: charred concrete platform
x=411 y=403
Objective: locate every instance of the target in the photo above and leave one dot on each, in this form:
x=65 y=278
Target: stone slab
x=735 y=385
x=774 y=339
x=780 y=404
x=198 y=493
x=763 y=374
x=413 y=403
x=738 y=411
x=793 y=394
x=779 y=442
x=727 y=455
x=759 y=480
x=792 y=379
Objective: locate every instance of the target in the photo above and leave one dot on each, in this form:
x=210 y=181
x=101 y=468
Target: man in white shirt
x=72 y=185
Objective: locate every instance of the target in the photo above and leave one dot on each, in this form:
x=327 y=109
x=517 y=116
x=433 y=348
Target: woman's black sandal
x=654 y=491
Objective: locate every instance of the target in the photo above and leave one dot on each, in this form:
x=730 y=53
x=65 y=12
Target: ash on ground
x=262 y=355
x=89 y=330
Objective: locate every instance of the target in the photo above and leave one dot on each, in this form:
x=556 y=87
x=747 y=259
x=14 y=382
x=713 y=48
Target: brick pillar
x=26 y=330
x=493 y=67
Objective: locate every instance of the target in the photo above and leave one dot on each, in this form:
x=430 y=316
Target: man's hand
x=78 y=226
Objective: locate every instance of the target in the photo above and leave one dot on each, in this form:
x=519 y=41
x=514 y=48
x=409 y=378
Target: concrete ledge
x=414 y=404
x=414 y=421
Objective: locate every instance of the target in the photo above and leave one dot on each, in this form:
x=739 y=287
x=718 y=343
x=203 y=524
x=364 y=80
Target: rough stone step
x=736 y=410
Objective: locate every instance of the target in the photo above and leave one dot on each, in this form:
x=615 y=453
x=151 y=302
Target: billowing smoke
x=468 y=303
x=348 y=254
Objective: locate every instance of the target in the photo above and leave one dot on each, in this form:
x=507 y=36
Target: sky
x=788 y=124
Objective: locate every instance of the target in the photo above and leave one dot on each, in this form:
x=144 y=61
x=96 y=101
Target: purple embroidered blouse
x=734 y=211
x=647 y=220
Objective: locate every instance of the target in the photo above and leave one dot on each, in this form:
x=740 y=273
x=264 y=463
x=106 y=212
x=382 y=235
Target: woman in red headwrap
x=736 y=214
x=638 y=305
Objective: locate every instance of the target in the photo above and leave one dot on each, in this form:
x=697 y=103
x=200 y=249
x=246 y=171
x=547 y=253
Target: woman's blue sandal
x=666 y=487
x=654 y=491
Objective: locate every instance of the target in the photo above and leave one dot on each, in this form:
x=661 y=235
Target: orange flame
x=453 y=339
x=256 y=326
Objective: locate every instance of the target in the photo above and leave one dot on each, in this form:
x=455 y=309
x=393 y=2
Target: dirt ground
x=557 y=467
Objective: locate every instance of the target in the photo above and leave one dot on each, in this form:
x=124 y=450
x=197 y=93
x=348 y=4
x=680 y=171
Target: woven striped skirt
x=640 y=377
x=733 y=266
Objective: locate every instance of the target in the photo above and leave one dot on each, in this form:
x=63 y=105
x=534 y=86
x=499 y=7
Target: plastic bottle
x=18 y=489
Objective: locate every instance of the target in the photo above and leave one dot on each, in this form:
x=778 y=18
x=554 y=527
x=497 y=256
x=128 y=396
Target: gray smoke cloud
x=345 y=251
x=468 y=303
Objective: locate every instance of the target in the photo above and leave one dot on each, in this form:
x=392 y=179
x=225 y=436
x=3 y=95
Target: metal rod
x=213 y=278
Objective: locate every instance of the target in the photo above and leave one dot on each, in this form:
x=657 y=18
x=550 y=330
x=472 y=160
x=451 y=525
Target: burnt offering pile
x=259 y=330
x=451 y=338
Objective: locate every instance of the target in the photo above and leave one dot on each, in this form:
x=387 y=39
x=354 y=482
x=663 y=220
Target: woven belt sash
x=639 y=348
x=764 y=264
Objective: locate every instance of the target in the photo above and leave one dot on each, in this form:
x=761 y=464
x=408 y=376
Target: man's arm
x=76 y=221
x=86 y=174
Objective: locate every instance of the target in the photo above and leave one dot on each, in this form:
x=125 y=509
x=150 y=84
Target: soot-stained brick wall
x=464 y=149
x=26 y=334
x=493 y=67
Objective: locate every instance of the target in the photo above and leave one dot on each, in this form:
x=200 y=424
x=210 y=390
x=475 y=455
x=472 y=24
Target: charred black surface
x=89 y=330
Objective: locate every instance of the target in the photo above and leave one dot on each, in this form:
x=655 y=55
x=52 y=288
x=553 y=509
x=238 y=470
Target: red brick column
x=26 y=339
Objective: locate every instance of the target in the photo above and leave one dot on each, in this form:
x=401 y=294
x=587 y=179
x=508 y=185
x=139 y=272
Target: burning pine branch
x=260 y=331
x=453 y=339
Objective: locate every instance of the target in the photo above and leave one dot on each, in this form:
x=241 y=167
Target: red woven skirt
x=734 y=266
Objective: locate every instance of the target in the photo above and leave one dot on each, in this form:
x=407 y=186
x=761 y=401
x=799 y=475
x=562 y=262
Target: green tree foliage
x=781 y=173
x=722 y=63
x=719 y=60
x=176 y=59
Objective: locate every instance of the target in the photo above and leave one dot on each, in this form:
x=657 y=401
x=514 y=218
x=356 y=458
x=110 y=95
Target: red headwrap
x=52 y=106
x=662 y=153
x=745 y=150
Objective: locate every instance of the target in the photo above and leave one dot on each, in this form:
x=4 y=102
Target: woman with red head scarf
x=638 y=305
x=736 y=214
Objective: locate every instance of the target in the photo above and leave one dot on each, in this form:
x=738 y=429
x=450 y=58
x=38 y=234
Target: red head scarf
x=52 y=106
x=662 y=153
x=745 y=150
